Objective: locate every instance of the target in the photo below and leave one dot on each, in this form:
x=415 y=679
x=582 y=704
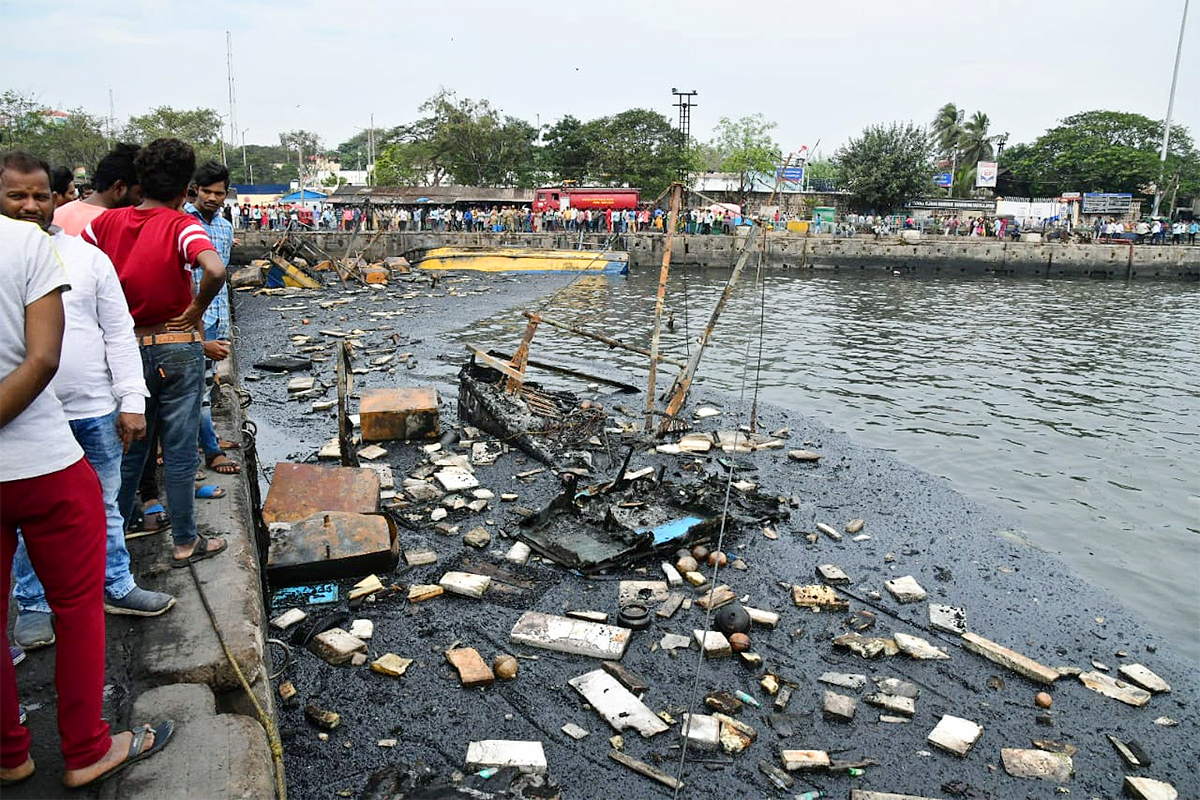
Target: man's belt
x=183 y=337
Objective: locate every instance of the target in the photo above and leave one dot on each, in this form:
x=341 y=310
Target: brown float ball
x=700 y=552
x=739 y=642
x=682 y=552
x=1043 y=699
x=505 y=667
x=687 y=564
x=717 y=559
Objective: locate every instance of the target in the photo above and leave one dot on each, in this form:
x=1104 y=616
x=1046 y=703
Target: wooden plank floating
x=1011 y=659
x=1109 y=686
x=574 y=636
x=617 y=704
x=642 y=768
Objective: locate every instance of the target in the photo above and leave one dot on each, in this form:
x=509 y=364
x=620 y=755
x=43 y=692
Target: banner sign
x=791 y=174
x=1107 y=202
x=985 y=174
x=948 y=204
x=944 y=179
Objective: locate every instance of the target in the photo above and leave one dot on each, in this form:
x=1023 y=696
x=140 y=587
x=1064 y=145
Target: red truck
x=570 y=196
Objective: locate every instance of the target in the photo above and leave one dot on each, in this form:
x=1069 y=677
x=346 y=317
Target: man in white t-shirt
x=53 y=496
x=103 y=395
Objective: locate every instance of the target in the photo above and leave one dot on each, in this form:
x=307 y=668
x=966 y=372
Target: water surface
x=1075 y=405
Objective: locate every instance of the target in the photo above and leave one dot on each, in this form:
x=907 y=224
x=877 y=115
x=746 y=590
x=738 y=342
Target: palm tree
x=974 y=140
x=947 y=130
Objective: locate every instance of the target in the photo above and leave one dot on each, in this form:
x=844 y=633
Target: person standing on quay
x=153 y=246
x=99 y=384
x=115 y=184
x=212 y=186
x=53 y=496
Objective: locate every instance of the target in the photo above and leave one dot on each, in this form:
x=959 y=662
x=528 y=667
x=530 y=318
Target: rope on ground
x=273 y=740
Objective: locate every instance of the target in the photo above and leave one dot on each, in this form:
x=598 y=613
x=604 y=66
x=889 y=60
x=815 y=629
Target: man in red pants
x=50 y=492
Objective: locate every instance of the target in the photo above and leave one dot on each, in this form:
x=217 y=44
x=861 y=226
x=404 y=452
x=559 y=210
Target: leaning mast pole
x=1158 y=193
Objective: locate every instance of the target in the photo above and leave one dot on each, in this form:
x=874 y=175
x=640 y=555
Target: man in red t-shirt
x=153 y=247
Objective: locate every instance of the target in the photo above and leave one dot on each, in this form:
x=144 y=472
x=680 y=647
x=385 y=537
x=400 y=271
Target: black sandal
x=201 y=552
x=162 y=734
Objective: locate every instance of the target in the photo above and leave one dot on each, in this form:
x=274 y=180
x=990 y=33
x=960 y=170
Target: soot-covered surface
x=963 y=553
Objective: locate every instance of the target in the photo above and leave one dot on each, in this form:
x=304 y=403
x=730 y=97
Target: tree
x=1101 y=151
x=947 y=130
x=746 y=148
x=886 y=166
x=566 y=152
x=406 y=164
x=823 y=175
x=638 y=147
x=475 y=145
x=76 y=140
x=263 y=163
x=199 y=127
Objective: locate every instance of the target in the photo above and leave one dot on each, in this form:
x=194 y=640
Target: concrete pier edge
x=929 y=255
x=220 y=748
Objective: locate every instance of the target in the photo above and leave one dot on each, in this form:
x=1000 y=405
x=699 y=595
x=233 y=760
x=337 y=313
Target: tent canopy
x=308 y=194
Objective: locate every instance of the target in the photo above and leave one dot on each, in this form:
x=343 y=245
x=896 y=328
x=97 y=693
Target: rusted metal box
x=399 y=413
x=332 y=544
x=300 y=490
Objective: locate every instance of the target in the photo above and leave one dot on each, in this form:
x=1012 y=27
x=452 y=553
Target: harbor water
x=1072 y=405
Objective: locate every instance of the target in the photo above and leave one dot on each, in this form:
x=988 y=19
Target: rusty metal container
x=300 y=490
x=401 y=413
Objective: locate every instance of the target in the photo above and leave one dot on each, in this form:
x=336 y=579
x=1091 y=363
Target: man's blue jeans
x=174 y=375
x=102 y=446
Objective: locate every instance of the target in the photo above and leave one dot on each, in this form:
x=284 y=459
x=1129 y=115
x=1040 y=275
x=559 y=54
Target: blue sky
x=822 y=71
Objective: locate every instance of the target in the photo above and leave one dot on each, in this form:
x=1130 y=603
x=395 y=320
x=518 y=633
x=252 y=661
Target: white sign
x=985 y=174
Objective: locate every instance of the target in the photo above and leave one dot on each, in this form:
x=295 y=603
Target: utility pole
x=111 y=118
x=371 y=152
x=685 y=105
x=232 y=103
x=1158 y=193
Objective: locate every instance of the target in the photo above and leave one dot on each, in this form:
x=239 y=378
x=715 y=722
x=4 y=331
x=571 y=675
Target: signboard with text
x=944 y=179
x=790 y=174
x=1107 y=202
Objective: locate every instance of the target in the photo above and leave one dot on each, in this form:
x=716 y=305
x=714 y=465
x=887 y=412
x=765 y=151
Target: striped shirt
x=153 y=251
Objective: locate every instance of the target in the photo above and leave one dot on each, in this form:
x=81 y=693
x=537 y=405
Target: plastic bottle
x=747 y=699
x=487 y=772
x=809 y=795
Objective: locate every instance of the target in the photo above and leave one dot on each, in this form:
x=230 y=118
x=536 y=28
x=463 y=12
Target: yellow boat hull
x=504 y=259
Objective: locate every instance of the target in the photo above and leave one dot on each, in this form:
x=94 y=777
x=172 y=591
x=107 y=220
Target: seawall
x=933 y=255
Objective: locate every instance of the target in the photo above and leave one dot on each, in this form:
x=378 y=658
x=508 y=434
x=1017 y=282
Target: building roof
x=433 y=195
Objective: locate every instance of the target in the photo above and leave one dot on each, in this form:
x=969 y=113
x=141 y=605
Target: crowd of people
x=113 y=308
x=1146 y=231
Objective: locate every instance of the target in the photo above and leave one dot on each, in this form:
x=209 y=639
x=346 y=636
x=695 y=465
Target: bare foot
x=214 y=543
x=117 y=752
x=17 y=773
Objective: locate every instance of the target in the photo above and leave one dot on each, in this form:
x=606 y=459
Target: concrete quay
x=930 y=255
x=174 y=667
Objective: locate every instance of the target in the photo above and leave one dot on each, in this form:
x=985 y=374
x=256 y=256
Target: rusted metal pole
x=683 y=381
x=599 y=337
x=672 y=220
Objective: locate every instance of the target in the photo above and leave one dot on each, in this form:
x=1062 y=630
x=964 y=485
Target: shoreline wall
x=931 y=255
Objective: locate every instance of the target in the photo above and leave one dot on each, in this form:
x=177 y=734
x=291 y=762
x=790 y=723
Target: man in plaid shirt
x=212 y=186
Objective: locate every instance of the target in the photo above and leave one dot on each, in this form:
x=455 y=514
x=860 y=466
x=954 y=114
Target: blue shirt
x=220 y=231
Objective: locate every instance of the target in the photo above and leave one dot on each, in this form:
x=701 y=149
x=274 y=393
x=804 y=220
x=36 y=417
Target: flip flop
x=162 y=735
x=209 y=491
x=224 y=465
x=201 y=552
x=161 y=521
